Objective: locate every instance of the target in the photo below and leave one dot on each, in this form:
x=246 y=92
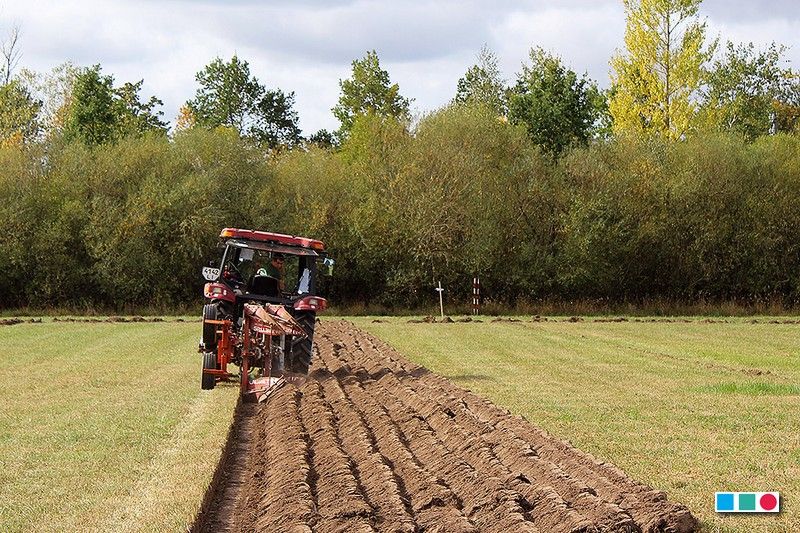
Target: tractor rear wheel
x=301 y=347
x=208 y=381
x=210 y=312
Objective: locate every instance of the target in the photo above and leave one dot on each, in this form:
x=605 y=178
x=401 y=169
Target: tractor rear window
x=244 y=265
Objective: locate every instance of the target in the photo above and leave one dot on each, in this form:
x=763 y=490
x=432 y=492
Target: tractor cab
x=273 y=273
x=267 y=267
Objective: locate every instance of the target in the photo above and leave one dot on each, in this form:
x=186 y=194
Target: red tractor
x=261 y=306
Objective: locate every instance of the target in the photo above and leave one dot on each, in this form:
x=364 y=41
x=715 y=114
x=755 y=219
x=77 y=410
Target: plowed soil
x=373 y=442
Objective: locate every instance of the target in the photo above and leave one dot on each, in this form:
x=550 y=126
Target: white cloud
x=308 y=45
x=584 y=36
x=749 y=11
x=761 y=33
x=399 y=31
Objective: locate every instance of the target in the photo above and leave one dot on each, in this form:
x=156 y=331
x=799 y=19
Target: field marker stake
x=441 y=304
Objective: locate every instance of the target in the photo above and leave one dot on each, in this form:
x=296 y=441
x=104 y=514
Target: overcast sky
x=307 y=46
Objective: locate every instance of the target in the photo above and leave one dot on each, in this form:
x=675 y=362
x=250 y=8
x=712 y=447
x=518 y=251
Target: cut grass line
x=752 y=389
x=190 y=454
x=91 y=413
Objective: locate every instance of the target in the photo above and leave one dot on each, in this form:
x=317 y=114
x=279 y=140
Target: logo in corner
x=747 y=502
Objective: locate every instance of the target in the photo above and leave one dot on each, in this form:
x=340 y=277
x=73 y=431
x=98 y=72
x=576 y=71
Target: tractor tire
x=301 y=348
x=208 y=381
x=210 y=312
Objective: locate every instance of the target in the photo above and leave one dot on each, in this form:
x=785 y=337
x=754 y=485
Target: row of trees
x=664 y=186
x=132 y=223
x=669 y=83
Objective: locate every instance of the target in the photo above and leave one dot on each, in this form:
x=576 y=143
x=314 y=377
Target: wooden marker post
x=441 y=302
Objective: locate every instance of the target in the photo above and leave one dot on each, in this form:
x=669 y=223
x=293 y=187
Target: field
x=372 y=442
x=687 y=407
x=103 y=427
x=110 y=414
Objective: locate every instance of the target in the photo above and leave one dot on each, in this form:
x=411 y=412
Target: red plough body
x=259 y=348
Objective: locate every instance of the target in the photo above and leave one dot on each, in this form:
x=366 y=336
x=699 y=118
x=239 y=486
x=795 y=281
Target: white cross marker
x=441 y=304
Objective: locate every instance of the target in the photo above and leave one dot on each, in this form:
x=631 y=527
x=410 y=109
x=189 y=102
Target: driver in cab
x=275 y=269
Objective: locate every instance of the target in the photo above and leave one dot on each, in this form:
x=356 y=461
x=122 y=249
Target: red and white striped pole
x=476 y=295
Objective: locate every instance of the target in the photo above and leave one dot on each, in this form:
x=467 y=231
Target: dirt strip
x=373 y=442
x=225 y=499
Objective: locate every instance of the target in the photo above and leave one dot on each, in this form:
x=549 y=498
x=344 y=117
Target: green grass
x=688 y=408
x=103 y=427
x=752 y=389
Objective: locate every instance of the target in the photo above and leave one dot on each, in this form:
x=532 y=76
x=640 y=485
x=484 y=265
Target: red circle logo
x=768 y=502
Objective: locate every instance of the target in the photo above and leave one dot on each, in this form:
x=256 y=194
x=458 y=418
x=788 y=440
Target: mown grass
x=752 y=389
x=688 y=408
x=103 y=427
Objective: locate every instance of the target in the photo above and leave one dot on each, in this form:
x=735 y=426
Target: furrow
x=445 y=419
x=285 y=501
x=490 y=502
x=594 y=495
x=340 y=501
x=486 y=501
x=463 y=432
x=432 y=502
x=381 y=488
x=646 y=506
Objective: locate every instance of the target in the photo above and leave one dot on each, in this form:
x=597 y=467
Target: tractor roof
x=266 y=236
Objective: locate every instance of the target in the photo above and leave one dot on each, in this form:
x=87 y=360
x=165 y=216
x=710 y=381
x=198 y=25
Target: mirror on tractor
x=327 y=266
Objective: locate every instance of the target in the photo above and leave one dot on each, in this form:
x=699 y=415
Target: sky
x=307 y=46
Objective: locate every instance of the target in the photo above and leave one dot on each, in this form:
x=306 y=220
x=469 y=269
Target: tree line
x=677 y=182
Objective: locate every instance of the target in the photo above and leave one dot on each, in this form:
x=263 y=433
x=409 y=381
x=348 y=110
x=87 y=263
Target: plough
x=258 y=348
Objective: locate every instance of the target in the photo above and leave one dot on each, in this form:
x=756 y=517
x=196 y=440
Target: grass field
x=689 y=408
x=103 y=427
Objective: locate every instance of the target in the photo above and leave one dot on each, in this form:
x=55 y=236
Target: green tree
x=655 y=81
x=92 y=115
x=369 y=91
x=557 y=107
x=229 y=95
x=276 y=119
x=324 y=139
x=135 y=117
x=19 y=113
x=750 y=92
x=99 y=113
x=483 y=83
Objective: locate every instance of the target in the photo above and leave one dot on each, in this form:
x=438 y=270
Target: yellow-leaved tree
x=185 y=119
x=654 y=81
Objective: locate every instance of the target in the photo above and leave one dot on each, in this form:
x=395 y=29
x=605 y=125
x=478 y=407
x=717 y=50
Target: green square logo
x=747 y=502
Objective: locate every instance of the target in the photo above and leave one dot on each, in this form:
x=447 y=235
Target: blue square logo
x=724 y=502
